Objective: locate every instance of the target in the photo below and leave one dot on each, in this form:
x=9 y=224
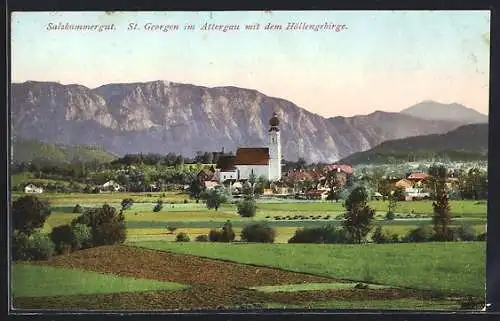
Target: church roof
x=252 y=156
x=226 y=163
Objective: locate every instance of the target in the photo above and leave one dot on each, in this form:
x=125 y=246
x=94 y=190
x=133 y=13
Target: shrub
x=465 y=233
x=29 y=213
x=226 y=234
x=159 y=206
x=40 y=246
x=247 y=208
x=171 y=229
x=106 y=224
x=182 y=237
x=186 y=201
x=77 y=209
x=481 y=237
x=328 y=234
x=202 y=238
x=390 y=216
x=20 y=245
x=381 y=236
x=258 y=232
x=82 y=237
x=213 y=235
x=420 y=234
x=127 y=203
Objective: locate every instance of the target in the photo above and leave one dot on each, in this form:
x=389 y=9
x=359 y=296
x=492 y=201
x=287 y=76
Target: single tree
x=29 y=213
x=358 y=217
x=385 y=188
x=442 y=213
x=214 y=198
x=247 y=207
x=393 y=203
x=195 y=189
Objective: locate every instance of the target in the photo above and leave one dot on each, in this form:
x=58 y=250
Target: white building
x=261 y=161
x=111 y=186
x=30 y=188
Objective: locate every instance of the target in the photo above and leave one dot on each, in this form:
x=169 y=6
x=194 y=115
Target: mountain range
x=429 y=109
x=466 y=143
x=163 y=117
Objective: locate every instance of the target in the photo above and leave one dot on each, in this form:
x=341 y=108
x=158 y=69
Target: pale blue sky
x=383 y=61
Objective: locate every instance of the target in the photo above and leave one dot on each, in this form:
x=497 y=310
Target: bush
x=77 y=209
x=127 y=203
x=465 y=233
x=213 y=235
x=202 y=238
x=381 y=236
x=82 y=237
x=258 y=232
x=20 y=245
x=420 y=234
x=159 y=206
x=37 y=246
x=328 y=234
x=186 y=201
x=106 y=224
x=481 y=237
x=390 y=216
x=182 y=237
x=247 y=208
x=29 y=213
x=226 y=234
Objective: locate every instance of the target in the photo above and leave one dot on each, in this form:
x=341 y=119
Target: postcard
x=249 y=160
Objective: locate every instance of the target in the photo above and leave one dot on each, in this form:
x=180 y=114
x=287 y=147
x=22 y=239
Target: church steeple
x=274 y=148
x=274 y=123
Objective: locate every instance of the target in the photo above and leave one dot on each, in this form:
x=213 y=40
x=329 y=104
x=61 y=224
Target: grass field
x=446 y=267
x=466 y=208
x=37 y=281
x=196 y=219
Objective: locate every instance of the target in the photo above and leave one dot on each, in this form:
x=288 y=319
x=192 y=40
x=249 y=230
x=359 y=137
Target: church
x=261 y=161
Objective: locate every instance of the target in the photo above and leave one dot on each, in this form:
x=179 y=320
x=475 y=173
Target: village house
x=404 y=183
x=31 y=188
x=111 y=186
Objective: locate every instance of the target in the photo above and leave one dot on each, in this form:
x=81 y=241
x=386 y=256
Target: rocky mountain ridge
x=162 y=117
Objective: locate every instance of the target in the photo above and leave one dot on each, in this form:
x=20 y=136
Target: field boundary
x=423 y=291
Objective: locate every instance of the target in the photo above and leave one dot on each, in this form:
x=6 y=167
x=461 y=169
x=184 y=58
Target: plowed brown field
x=214 y=284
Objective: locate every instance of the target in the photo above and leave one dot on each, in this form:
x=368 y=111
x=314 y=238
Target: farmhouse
x=404 y=183
x=257 y=161
x=111 y=186
x=31 y=188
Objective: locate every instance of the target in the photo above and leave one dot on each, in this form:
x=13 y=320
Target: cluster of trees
x=96 y=226
x=259 y=232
